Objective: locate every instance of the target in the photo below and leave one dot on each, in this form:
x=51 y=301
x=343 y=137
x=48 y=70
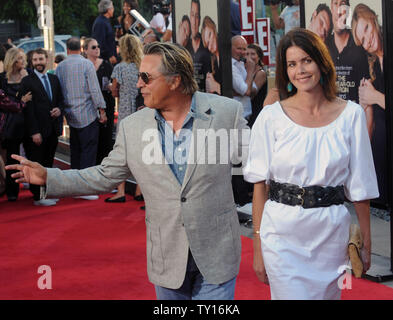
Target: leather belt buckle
x=301 y=195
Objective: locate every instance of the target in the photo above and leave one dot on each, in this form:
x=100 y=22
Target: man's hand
x=37 y=139
x=55 y=113
x=103 y=118
x=28 y=171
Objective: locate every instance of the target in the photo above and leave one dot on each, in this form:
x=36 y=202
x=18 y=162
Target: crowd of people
x=309 y=150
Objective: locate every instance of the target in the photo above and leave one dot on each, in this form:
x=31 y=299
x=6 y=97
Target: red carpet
x=96 y=250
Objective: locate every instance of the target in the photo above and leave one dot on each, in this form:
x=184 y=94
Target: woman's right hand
x=27 y=97
x=258 y=264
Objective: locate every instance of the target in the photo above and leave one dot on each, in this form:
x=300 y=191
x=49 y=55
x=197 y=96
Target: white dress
x=303 y=249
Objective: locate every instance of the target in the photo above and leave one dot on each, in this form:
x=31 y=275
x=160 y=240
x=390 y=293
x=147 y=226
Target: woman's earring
x=321 y=81
x=290 y=87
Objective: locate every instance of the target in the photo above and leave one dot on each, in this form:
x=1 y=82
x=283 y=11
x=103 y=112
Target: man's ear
x=175 y=82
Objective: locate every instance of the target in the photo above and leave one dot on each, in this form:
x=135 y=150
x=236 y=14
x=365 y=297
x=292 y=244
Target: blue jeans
x=195 y=287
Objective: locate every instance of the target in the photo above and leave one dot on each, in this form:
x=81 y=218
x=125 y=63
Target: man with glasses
x=193 y=236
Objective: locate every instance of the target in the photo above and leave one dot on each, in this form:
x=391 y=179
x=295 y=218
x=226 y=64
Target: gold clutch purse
x=355 y=244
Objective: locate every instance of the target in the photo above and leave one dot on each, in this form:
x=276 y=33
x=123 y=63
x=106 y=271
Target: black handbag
x=12 y=119
x=8 y=105
x=13 y=128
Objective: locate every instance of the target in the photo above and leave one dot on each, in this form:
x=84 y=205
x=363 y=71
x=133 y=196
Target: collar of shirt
x=237 y=62
x=39 y=74
x=176 y=147
x=193 y=113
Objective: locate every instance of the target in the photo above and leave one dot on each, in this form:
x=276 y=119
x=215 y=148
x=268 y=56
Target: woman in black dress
x=13 y=130
x=255 y=52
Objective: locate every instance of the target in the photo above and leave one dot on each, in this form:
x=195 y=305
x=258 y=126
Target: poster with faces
x=318 y=18
x=352 y=31
x=197 y=30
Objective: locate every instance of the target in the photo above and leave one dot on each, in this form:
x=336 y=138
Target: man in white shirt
x=243 y=71
x=242 y=75
x=158 y=22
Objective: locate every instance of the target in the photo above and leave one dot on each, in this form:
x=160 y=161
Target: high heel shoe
x=117 y=200
x=139 y=198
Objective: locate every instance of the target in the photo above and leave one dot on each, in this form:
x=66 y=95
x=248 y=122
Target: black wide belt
x=307 y=197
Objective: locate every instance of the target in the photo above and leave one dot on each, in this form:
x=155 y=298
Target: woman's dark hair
x=59 y=58
x=132 y=3
x=134 y=6
x=259 y=52
x=314 y=46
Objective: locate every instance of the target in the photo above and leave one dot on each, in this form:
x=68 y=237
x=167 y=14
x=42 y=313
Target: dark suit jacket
x=103 y=32
x=37 y=111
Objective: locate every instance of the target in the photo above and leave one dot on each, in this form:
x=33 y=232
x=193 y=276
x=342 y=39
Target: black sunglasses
x=95 y=47
x=146 y=77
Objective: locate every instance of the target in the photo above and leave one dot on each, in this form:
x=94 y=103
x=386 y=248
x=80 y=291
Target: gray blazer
x=200 y=215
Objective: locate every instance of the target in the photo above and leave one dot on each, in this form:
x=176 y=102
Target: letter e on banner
x=263 y=37
x=247 y=19
x=45 y=281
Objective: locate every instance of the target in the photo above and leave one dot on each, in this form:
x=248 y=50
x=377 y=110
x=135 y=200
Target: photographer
x=160 y=8
x=289 y=17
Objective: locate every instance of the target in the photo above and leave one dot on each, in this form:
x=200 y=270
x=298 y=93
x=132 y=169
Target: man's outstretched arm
x=94 y=180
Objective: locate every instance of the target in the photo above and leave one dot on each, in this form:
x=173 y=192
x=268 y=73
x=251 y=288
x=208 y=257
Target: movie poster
x=197 y=29
x=352 y=31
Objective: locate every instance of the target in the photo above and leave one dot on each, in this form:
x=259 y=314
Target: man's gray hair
x=104 y=6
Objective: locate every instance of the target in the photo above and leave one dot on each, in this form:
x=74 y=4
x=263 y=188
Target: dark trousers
x=241 y=189
x=44 y=154
x=83 y=146
x=11 y=187
x=105 y=141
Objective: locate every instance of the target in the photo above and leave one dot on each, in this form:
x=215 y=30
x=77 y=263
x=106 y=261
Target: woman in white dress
x=319 y=145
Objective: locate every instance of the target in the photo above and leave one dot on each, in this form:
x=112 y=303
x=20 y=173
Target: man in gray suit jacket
x=180 y=150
